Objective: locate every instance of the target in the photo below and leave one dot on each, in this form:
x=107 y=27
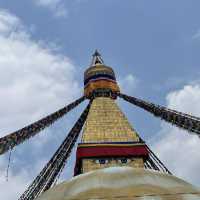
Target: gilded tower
x=108 y=139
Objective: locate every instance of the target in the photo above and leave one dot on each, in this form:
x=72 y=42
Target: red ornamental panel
x=109 y=151
x=88 y=152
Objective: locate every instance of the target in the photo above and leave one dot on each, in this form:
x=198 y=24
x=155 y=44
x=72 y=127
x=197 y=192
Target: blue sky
x=155 y=41
x=46 y=45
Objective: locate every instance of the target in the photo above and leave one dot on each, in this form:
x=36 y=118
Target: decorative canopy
x=99 y=77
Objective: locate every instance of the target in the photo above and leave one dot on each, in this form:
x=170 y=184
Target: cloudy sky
x=45 y=46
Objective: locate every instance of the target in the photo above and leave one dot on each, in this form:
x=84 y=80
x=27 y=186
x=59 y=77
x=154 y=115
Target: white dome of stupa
x=123 y=183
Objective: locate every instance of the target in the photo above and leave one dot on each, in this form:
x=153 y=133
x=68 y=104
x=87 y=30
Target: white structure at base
x=123 y=183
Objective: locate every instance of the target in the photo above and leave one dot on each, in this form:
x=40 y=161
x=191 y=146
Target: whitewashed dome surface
x=123 y=183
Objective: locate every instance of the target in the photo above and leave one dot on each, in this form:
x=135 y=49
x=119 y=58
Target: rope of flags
x=53 y=168
x=153 y=162
x=9 y=141
x=181 y=120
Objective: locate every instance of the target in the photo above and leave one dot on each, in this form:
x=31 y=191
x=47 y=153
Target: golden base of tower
x=123 y=183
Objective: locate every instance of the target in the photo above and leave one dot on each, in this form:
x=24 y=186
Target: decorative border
x=100 y=84
x=109 y=151
x=99 y=76
x=94 y=150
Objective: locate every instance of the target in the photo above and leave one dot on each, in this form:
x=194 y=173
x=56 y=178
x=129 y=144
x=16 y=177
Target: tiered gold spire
x=99 y=77
x=108 y=139
x=106 y=125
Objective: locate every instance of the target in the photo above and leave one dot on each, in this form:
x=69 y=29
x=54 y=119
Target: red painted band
x=89 y=152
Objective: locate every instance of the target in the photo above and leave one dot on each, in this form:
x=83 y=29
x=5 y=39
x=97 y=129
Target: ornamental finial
x=97 y=59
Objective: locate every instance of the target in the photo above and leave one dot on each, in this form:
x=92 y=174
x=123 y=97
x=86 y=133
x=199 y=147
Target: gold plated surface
x=100 y=69
x=97 y=68
x=107 y=123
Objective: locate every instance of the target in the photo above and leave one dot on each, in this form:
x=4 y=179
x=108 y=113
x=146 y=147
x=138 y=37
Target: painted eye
x=101 y=161
x=124 y=160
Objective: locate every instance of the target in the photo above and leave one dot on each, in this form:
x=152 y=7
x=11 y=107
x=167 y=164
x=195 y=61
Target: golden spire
x=108 y=139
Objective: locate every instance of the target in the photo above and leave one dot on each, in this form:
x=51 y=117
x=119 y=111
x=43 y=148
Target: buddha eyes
x=106 y=161
x=102 y=161
x=124 y=160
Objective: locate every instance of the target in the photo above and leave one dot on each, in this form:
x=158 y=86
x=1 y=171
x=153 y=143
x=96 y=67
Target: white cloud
x=34 y=81
x=8 y=22
x=128 y=84
x=17 y=184
x=175 y=147
x=55 y=6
